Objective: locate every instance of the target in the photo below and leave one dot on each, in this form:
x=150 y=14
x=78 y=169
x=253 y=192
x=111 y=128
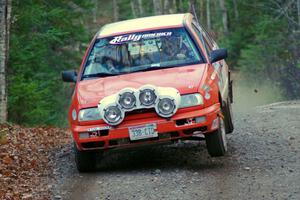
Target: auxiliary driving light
x=110 y=111
x=147 y=97
x=169 y=101
x=165 y=100
x=166 y=107
x=127 y=100
x=113 y=115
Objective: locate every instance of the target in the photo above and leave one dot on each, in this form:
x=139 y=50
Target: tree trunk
x=208 y=21
x=224 y=16
x=174 y=6
x=157 y=7
x=133 y=10
x=116 y=10
x=236 y=11
x=298 y=3
x=95 y=10
x=191 y=4
x=167 y=7
x=202 y=11
x=5 y=14
x=180 y=6
x=141 y=9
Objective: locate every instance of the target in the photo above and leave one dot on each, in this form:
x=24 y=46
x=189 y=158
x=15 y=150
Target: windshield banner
x=136 y=37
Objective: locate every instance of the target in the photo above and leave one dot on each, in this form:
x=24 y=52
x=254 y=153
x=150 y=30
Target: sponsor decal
x=137 y=37
x=99 y=128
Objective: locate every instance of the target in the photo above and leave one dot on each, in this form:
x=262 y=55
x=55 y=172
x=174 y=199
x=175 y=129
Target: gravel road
x=263 y=162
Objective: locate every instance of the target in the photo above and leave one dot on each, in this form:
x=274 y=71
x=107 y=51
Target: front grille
x=141 y=111
x=91 y=145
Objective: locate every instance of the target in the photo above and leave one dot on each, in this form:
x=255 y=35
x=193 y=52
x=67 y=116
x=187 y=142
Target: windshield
x=141 y=51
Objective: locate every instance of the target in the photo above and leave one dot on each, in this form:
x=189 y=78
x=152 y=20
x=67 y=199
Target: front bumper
x=182 y=125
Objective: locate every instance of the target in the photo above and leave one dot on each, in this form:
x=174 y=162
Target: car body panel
x=185 y=79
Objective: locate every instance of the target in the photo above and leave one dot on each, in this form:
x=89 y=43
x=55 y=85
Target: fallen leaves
x=7 y=160
x=3 y=136
x=26 y=165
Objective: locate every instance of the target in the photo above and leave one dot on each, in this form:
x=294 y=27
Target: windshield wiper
x=153 y=68
x=98 y=75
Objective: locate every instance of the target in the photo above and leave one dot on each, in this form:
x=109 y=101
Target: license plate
x=142 y=132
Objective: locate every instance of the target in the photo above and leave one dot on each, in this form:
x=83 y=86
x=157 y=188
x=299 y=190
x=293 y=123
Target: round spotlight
x=147 y=97
x=113 y=115
x=166 y=107
x=127 y=100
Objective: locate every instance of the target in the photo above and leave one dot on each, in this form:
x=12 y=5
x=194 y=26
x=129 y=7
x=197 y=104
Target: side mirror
x=69 y=76
x=217 y=55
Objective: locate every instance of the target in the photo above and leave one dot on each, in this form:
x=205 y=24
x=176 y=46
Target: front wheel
x=86 y=161
x=216 y=141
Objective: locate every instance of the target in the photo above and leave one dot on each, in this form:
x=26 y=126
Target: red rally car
x=148 y=81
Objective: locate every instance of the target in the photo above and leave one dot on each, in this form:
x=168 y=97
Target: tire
x=227 y=111
x=86 y=161
x=216 y=141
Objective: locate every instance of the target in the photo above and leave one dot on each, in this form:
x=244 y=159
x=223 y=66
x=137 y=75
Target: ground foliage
x=45 y=39
x=27 y=160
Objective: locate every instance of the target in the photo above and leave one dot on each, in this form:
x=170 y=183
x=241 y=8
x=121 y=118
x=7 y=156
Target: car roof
x=145 y=23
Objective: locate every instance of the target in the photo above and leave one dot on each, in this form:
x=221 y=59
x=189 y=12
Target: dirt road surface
x=263 y=162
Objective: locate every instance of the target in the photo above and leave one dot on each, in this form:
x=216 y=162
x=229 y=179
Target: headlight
x=89 y=114
x=191 y=100
x=127 y=100
x=166 y=107
x=113 y=115
x=147 y=97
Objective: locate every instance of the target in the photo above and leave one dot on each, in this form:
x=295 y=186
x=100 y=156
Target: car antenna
x=193 y=11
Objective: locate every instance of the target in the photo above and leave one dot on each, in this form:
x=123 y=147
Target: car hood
x=184 y=79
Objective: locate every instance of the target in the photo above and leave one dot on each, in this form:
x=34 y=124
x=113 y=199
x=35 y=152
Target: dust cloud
x=249 y=93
